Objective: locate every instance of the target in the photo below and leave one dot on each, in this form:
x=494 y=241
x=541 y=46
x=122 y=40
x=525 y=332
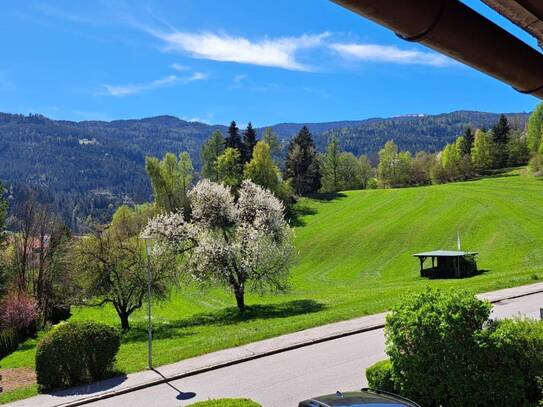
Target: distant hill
x=88 y=168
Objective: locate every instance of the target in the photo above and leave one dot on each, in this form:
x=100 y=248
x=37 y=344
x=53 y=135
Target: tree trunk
x=240 y=298
x=125 y=325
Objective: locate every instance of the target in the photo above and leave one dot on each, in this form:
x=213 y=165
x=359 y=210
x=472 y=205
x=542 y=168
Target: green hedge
x=226 y=403
x=380 y=377
x=75 y=353
x=444 y=350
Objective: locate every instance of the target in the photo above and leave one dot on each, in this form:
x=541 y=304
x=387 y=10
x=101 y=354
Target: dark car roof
x=364 y=398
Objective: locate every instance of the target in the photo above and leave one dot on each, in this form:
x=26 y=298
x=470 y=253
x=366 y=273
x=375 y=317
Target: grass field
x=354 y=259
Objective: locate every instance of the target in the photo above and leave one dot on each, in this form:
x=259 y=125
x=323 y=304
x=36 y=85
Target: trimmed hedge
x=76 y=353
x=379 y=376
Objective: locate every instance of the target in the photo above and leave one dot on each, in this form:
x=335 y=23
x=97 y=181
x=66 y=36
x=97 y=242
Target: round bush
x=75 y=353
x=379 y=376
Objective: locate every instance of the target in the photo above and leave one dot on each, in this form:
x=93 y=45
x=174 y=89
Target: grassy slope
x=355 y=259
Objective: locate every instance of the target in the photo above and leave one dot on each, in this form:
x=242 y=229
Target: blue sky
x=215 y=61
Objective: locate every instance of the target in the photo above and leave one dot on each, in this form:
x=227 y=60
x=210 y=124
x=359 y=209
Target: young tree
x=349 y=173
x=302 y=164
x=229 y=167
x=242 y=245
x=517 y=150
x=421 y=168
x=481 y=153
x=450 y=160
x=233 y=139
x=249 y=142
x=271 y=139
x=533 y=136
x=170 y=179
x=113 y=266
x=394 y=167
x=366 y=171
x=211 y=151
x=262 y=170
x=330 y=168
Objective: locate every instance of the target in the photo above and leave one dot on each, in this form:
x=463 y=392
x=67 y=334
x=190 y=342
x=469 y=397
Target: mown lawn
x=354 y=259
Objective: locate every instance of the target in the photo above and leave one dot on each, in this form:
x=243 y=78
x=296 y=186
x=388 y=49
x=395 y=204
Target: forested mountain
x=88 y=168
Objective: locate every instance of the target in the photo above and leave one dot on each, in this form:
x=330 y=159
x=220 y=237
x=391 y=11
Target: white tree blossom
x=241 y=245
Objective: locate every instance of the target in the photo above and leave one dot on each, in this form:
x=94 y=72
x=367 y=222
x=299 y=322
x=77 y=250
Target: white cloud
x=240 y=78
x=126 y=90
x=179 y=67
x=390 y=54
x=274 y=52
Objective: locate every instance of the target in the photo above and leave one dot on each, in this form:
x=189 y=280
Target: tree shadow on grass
x=294 y=215
x=327 y=196
x=225 y=317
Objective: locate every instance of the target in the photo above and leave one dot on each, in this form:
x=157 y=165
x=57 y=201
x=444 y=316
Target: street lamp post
x=149 y=323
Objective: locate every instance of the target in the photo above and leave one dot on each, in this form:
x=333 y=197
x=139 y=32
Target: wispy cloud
x=126 y=90
x=278 y=52
x=389 y=54
x=179 y=67
x=240 y=78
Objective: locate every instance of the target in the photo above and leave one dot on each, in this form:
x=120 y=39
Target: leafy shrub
x=75 y=353
x=444 y=350
x=432 y=342
x=379 y=376
x=514 y=362
x=18 y=311
x=226 y=403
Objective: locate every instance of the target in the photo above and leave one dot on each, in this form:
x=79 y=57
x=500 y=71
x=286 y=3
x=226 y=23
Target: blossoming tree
x=242 y=245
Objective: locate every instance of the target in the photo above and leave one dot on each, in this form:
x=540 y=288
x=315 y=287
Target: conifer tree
x=302 y=164
x=249 y=142
x=233 y=140
x=467 y=143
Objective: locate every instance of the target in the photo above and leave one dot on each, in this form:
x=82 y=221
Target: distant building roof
x=445 y=253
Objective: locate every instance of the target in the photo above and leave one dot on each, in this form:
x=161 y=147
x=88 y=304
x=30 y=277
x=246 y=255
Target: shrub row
x=75 y=353
x=444 y=350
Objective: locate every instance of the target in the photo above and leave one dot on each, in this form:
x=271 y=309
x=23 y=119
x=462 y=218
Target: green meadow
x=355 y=258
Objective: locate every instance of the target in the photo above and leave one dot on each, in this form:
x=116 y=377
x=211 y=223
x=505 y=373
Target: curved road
x=283 y=379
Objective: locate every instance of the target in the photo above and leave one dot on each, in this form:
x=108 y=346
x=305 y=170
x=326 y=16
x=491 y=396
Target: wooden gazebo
x=447 y=263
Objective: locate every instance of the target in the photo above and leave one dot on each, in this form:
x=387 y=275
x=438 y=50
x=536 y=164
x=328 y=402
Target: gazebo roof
x=445 y=253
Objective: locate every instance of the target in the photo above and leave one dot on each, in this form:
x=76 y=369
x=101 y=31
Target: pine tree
x=233 y=140
x=249 y=142
x=501 y=130
x=302 y=164
x=271 y=139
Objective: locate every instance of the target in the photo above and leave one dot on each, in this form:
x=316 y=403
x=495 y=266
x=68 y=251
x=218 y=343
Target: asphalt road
x=282 y=380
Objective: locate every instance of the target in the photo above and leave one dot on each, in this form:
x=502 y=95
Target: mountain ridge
x=90 y=167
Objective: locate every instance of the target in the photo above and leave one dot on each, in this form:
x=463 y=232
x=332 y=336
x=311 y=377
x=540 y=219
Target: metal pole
x=149 y=324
